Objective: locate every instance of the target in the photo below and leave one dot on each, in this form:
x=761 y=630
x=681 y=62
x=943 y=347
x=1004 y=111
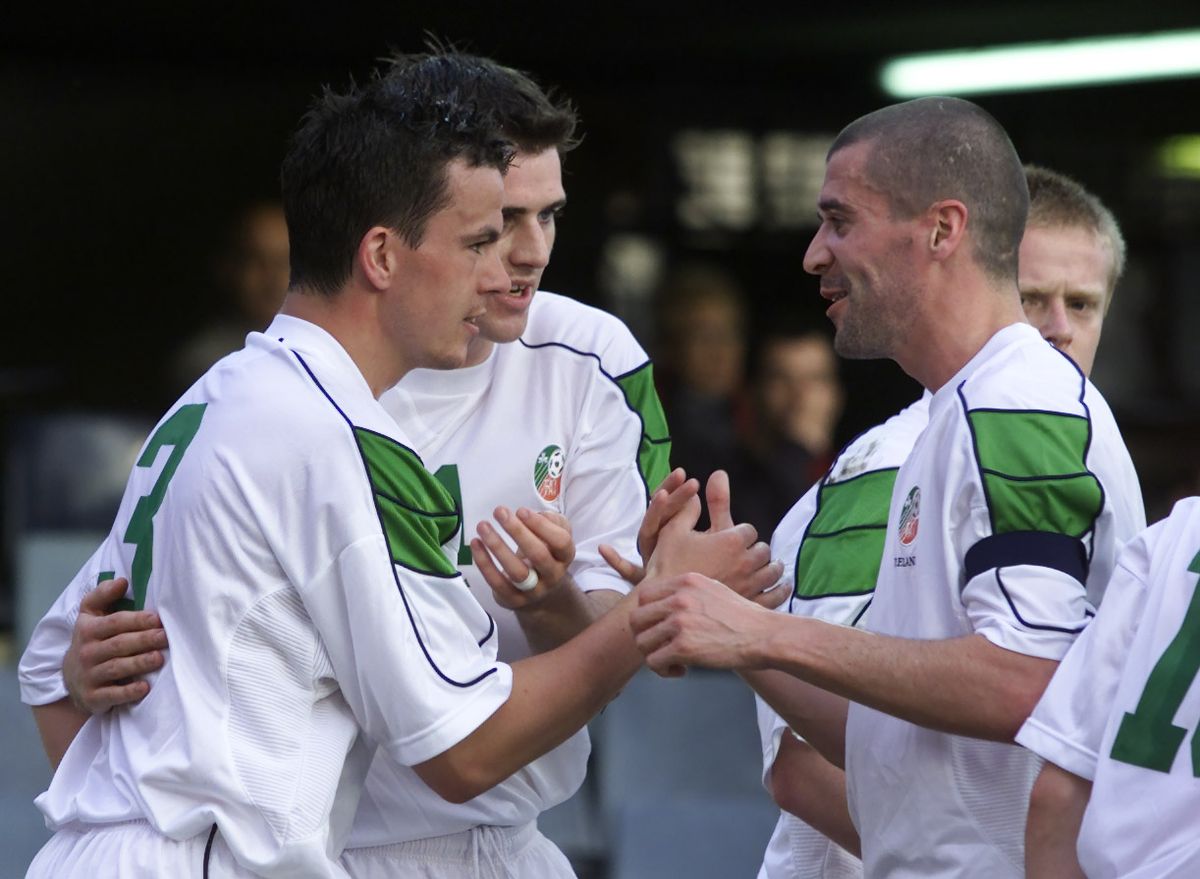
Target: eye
x=550 y=215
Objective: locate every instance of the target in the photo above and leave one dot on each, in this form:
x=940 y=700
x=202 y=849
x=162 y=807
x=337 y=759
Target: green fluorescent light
x=1044 y=65
x=1179 y=156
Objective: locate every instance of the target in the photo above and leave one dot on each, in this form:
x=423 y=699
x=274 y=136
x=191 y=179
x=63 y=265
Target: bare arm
x=807 y=707
x=814 y=790
x=102 y=668
x=1056 y=809
x=967 y=686
x=555 y=693
x=58 y=723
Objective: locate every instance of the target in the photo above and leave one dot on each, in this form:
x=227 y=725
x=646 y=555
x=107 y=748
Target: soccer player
x=1071 y=257
x=1119 y=793
x=289 y=538
x=1016 y=495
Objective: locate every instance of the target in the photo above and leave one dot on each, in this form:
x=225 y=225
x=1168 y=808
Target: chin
x=504 y=331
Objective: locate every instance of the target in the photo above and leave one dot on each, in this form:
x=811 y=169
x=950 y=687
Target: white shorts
x=133 y=850
x=479 y=853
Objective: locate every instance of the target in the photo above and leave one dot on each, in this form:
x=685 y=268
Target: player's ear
x=376 y=258
x=947 y=228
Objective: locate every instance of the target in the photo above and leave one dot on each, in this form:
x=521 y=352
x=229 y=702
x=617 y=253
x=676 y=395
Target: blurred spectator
x=798 y=400
x=702 y=366
x=252 y=275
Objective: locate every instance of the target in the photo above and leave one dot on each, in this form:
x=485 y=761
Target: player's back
x=273 y=494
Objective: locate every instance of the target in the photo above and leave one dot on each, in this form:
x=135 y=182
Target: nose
x=817 y=258
x=530 y=249
x=1056 y=326
x=494 y=278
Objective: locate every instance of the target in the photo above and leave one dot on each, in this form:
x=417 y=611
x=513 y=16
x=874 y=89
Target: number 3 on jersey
x=1148 y=737
x=176 y=432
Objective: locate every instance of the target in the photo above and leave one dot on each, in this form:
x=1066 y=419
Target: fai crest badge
x=548 y=471
x=910 y=516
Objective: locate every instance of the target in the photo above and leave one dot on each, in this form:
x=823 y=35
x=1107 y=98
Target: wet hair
x=533 y=118
x=930 y=149
x=377 y=155
x=1057 y=201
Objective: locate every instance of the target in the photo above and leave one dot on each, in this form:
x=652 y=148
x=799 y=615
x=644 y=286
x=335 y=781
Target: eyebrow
x=486 y=235
x=521 y=210
x=826 y=205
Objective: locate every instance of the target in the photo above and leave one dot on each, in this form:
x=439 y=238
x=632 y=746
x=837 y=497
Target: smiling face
x=439 y=291
x=865 y=260
x=533 y=199
x=1063 y=274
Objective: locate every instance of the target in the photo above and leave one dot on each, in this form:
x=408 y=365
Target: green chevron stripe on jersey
x=417 y=512
x=1034 y=473
x=840 y=553
x=654 y=454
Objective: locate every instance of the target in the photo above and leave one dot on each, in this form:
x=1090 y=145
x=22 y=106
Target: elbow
x=456 y=781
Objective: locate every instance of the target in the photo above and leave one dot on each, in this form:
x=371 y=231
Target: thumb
x=99 y=600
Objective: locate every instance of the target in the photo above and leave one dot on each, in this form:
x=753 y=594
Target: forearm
x=817 y=714
x=1056 y=809
x=808 y=786
x=553 y=695
x=58 y=723
x=563 y=614
x=967 y=685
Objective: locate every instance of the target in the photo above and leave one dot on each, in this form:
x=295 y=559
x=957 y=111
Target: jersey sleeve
x=40 y=669
x=1068 y=724
x=604 y=493
x=392 y=611
x=654 y=448
x=1028 y=511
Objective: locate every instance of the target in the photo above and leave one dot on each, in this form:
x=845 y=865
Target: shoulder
x=884 y=446
x=1029 y=375
x=558 y=322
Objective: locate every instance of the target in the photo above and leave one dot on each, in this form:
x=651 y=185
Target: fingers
x=95 y=652
x=512 y=566
x=716 y=492
x=102 y=628
x=99 y=600
x=110 y=697
x=545 y=530
x=631 y=573
x=673 y=480
x=500 y=582
x=671 y=497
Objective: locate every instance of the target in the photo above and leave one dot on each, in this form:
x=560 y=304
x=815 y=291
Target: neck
x=348 y=316
x=956 y=323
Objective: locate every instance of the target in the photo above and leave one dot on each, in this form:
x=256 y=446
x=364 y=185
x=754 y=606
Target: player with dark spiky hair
x=284 y=529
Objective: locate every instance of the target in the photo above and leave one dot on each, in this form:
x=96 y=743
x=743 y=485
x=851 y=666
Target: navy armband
x=1044 y=549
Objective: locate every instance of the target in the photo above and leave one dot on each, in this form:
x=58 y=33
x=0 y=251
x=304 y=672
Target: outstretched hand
x=746 y=568
x=110 y=652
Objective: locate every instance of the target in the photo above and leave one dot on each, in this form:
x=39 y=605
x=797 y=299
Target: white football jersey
x=1123 y=710
x=830 y=543
x=557 y=420
x=289 y=538
x=1018 y=493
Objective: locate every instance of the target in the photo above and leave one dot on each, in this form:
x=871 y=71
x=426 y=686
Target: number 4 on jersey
x=447 y=475
x=1148 y=737
x=176 y=432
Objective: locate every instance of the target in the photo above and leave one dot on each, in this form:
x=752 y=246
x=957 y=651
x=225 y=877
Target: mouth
x=834 y=294
x=519 y=290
